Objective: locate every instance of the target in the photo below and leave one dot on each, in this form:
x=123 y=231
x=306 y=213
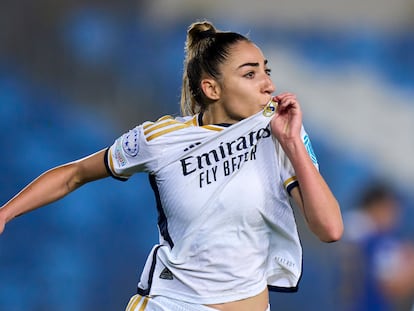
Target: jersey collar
x=200 y=121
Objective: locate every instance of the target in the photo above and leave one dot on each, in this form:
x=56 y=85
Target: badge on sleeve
x=130 y=142
x=309 y=149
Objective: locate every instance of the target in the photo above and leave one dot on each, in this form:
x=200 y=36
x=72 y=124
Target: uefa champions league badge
x=130 y=143
x=270 y=108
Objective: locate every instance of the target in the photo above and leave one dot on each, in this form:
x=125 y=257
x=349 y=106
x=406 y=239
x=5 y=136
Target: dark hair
x=376 y=192
x=205 y=49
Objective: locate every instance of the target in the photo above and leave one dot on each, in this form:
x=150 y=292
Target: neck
x=216 y=116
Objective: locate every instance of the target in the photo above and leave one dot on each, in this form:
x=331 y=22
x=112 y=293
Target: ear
x=210 y=88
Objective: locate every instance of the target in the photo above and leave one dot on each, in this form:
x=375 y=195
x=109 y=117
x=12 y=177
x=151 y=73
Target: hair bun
x=206 y=33
x=199 y=31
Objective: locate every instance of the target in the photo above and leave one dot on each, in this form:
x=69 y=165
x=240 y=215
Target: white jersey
x=227 y=229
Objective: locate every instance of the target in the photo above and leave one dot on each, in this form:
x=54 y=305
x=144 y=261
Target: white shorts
x=160 y=303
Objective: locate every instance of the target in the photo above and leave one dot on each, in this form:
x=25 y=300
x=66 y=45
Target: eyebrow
x=252 y=64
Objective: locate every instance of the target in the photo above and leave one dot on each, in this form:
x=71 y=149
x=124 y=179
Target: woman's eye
x=250 y=74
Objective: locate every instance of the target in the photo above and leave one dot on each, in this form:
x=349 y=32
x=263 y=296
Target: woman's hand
x=2 y=224
x=53 y=185
x=313 y=196
x=287 y=122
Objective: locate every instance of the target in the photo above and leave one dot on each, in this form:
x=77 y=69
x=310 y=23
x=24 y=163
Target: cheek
x=245 y=108
x=239 y=98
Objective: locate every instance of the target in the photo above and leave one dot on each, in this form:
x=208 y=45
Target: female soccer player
x=223 y=175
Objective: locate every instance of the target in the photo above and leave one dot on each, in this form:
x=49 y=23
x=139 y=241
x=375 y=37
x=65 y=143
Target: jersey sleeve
x=287 y=173
x=127 y=155
x=147 y=147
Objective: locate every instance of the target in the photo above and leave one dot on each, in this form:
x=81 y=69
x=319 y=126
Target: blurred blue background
x=75 y=75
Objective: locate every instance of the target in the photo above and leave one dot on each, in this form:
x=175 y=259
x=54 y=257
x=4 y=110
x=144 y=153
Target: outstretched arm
x=53 y=185
x=314 y=197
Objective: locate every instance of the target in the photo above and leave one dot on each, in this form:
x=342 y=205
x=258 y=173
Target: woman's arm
x=316 y=201
x=53 y=185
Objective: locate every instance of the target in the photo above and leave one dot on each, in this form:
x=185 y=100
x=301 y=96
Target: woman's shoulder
x=169 y=119
x=167 y=124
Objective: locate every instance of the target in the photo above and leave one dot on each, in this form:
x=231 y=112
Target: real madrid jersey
x=226 y=227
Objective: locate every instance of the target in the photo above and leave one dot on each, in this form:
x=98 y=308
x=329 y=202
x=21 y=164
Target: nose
x=268 y=86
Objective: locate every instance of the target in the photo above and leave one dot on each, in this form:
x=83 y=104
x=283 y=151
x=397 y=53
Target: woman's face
x=245 y=86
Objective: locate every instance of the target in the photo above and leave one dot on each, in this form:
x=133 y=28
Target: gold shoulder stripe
x=165 y=118
x=147 y=124
x=289 y=181
x=192 y=121
x=157 y=126
x=213 y=127
x=168 y=130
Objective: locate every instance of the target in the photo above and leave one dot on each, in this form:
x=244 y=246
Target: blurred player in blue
x=224 y=175
x=378 y=264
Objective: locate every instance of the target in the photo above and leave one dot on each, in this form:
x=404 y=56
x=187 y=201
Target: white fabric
x=223 y=193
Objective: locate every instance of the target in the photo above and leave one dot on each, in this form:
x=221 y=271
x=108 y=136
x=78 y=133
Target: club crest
x=270 y=109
